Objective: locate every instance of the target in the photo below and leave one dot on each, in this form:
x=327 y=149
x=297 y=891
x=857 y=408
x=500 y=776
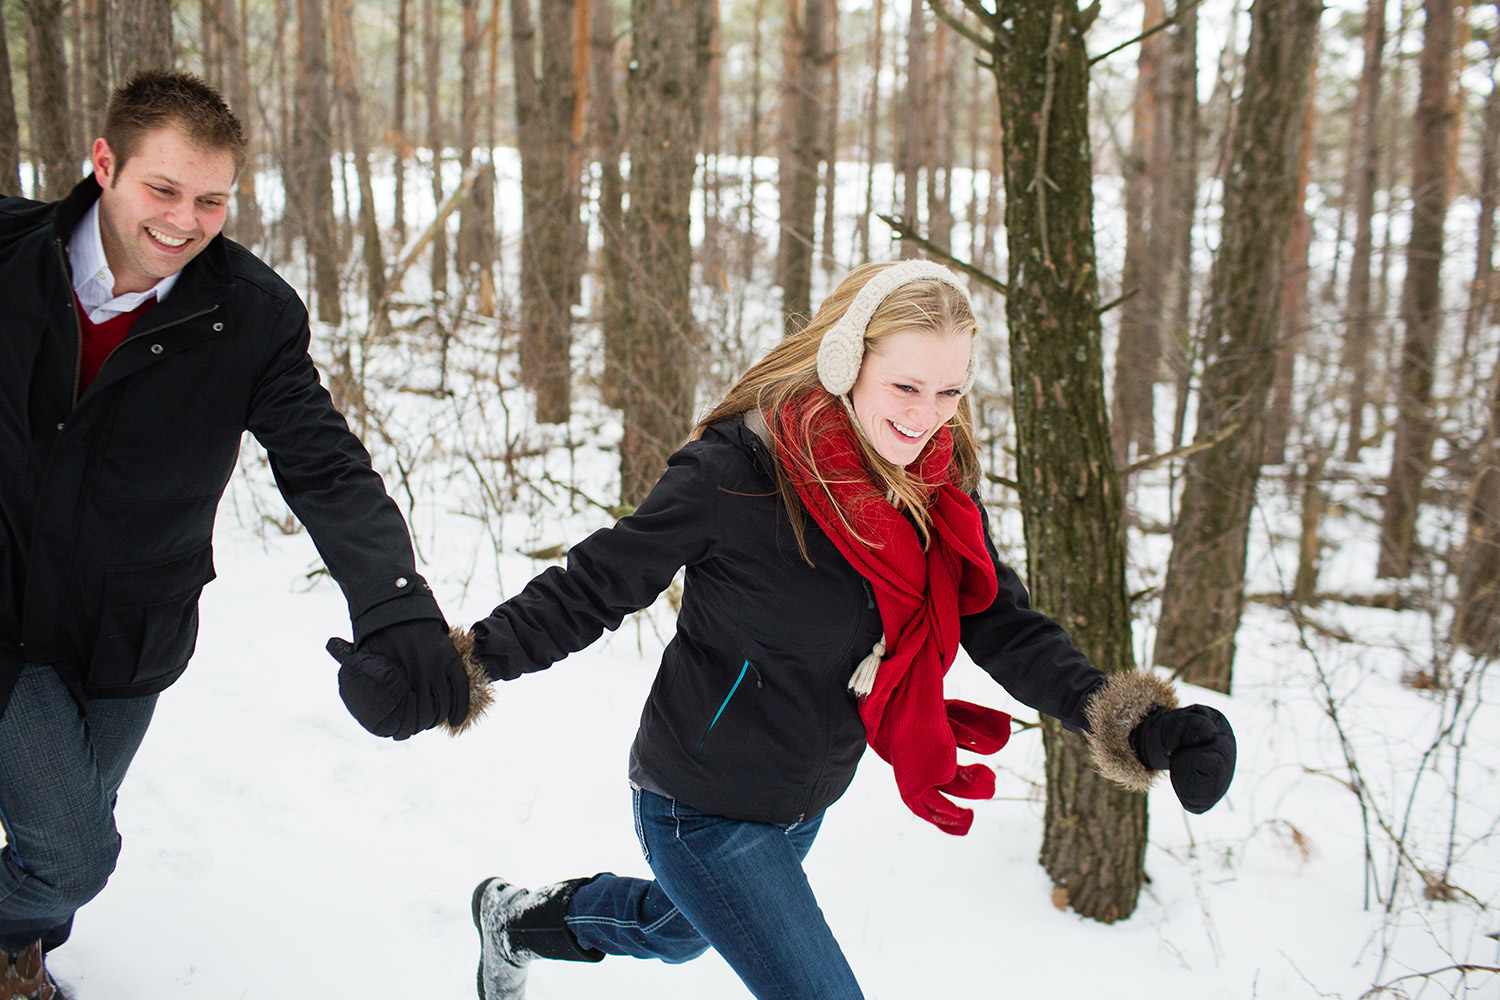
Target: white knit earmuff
x=842 y=350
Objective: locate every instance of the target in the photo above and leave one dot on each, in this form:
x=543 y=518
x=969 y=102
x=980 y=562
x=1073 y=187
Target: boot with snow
x=24 y=976
x=516 y=925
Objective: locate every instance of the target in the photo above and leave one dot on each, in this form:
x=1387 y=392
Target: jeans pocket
x=640 y=829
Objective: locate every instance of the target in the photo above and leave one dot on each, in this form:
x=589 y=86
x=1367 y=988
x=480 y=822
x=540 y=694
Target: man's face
x=161 y=207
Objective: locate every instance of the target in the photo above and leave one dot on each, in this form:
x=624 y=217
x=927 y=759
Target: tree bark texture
x=669 y=55
x=144 y=33
x=432 y=73
x=52 y=121
x=398 y=141
x=1359 y=340
x=315 y=154
x=1421 y=294
x=1138 y=348
x=1175 y=206
x=1291 y=340
x=1482 y=291
x=247 y=227
x=1095 y=839
x=911 y=130
x=1476 y=625
x=605 y=130
x=800 y=172
x=551 y=228
x=1203 y=596
x=10 y=128
x=346 y=73
x=96 y=71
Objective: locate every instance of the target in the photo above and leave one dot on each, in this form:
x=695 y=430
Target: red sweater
x=100 y=339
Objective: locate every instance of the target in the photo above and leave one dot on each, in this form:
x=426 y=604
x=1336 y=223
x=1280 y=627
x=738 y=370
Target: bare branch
x=944 y=15
x=905 y=232
x=1162 y=26
x=1153 y=461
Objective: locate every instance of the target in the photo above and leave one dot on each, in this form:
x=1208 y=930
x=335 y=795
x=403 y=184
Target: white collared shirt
x=95 y=282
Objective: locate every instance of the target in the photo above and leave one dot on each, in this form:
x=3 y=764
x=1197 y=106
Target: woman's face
x=909 y=386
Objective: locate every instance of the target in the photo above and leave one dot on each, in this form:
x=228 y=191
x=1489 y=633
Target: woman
x=835 y=559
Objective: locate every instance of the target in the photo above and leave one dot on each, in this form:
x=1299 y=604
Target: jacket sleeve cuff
x=1116 y=708
x=417 y=604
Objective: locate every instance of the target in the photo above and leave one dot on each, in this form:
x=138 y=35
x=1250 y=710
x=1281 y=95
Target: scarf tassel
x=863 y=681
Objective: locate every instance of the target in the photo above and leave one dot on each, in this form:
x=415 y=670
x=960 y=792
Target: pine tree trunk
x=465 y=249
x=1203 y=595
x=669 y=55
x=605 y=129
x=247 y=223
x=550 y=222
x=1359 y=342
x=872 y=130
x=1482 y=291
x=315 y=155
x=144 y=33
x=10 y=129
x=51 y=123
x=1421 y=295
x=1175 y=207
x=1095 y=839
x=95 y=59
x=1476 y=623
x=937 y=150
x=800 y=173
x=432 y=72
x=911 y=131
x=1292 y=338
x=830 y=149
x=1136 y=352
x=345 y=60
x=786 y=122
x=398 y=118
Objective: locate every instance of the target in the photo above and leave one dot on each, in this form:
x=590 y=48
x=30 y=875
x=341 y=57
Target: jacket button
x=61 y=426
x=218 y=327
x=401 y=582
x=155 y=348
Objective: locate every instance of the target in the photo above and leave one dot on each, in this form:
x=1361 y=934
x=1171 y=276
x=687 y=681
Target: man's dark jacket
x=107 y=500
x=750 y=716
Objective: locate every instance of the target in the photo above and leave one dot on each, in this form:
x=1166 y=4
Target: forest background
x=1234 y=264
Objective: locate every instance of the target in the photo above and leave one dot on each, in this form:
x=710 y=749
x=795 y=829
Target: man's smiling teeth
x=906 y=431
x=164 y=239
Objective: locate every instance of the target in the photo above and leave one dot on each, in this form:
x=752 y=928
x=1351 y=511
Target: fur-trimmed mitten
x=381 y=694
x=1136 y=730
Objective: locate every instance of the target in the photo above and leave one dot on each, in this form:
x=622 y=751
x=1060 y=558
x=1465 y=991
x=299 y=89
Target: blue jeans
x=735 y=885
x=59 y=775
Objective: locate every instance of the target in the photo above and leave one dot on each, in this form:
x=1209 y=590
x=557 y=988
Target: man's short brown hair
x=155 y=99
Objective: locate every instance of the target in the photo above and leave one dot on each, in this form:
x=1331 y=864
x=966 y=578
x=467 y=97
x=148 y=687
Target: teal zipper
x=725 y=704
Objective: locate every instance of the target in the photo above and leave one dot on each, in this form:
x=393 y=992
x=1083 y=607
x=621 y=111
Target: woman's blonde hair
x=789 y=371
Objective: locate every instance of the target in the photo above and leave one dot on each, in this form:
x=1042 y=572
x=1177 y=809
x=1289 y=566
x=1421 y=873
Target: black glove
x=1196 y=744
x=403 y=678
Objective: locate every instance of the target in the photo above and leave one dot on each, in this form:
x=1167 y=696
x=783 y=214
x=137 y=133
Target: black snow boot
x=516 y=925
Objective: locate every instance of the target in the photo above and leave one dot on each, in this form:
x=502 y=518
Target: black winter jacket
x=107 y=500
x=750 y=716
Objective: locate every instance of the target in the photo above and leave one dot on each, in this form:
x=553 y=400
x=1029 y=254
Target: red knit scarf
x=920 y=595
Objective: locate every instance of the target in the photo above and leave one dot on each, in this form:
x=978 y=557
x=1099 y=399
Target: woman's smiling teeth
x=906 y=431
x=164 y=239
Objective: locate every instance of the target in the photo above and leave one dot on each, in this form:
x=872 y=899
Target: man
x=136 y=347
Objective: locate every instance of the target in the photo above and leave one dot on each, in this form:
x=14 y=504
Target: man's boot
x=24 y=976
x=516 y=925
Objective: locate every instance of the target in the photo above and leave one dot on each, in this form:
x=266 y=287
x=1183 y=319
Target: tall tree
x=1174 y=204
x=604 y=128
x=346 y=78
x=1204 y=592
x=466 y=251
x=1291 y=340
x=398 y=117
x=144 y=34
x=10 y=129
x=799 y=172
x=314 y=156
x=247 y=223
x=1476 y=624
x=52 y=116
x=872 y=127
x=1482 y=290
x=1095 y=839
x=1137 y=349
x=938 y=146
x=432 y=73
x=1359 y=340
x=551 y=228
x=95 y=64
x=911 y=130
x=1421 y=293
x=669 y=55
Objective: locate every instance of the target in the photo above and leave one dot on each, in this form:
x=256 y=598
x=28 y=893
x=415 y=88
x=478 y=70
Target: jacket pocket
x=148 y=625
x=746 y=675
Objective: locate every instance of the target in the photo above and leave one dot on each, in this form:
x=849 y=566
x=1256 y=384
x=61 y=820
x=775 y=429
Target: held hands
x=403 y=679
x=1197 y=746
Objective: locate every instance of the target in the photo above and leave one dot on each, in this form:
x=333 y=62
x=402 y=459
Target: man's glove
x=1195 y=744
x=403 y=679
